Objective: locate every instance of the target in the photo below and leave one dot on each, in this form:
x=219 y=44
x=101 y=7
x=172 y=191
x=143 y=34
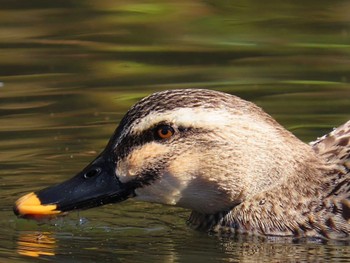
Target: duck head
x=198 y=149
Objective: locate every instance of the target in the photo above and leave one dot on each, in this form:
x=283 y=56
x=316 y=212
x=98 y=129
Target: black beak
x=96 y=185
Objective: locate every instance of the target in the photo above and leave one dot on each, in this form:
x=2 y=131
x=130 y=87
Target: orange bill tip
x=30 y=205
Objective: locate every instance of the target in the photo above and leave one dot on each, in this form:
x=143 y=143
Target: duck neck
x=283 y=210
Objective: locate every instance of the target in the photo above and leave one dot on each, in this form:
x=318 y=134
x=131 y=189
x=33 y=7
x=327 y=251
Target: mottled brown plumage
x=224 y=158
x=289 y=188
x=315 y=202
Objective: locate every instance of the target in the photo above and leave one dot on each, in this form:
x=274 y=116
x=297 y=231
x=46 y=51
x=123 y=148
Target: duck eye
x=164 y=132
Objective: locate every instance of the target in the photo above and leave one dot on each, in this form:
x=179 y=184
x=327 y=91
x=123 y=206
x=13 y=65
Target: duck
x=225 y=159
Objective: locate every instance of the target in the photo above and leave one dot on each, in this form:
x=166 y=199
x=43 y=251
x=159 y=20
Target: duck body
x=224 y=158
x=312 y=203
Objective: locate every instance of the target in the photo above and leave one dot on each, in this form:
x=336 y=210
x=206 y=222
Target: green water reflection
x=69 y=70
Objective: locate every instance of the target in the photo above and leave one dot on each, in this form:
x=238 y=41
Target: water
x=70 y=69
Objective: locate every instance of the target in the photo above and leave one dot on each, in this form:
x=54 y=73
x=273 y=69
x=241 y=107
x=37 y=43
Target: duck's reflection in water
x=184 y=247
x=36 y=244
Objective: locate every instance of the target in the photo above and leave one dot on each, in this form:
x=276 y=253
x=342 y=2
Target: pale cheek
x=171 y=185
x=185 y=166
x=139 y=159
x=166 y=190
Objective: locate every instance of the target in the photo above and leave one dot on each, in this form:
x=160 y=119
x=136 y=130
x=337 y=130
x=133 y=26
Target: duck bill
x=95 y=185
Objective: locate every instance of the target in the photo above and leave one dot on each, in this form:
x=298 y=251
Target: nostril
x=92 y=173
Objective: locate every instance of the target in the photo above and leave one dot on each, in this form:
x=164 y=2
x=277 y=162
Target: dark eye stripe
x=132 y=141
x=129 y=142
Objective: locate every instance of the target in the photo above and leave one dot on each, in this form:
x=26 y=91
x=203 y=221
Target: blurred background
x=69 y=70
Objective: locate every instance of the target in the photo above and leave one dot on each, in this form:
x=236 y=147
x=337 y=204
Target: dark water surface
x=70 y=69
